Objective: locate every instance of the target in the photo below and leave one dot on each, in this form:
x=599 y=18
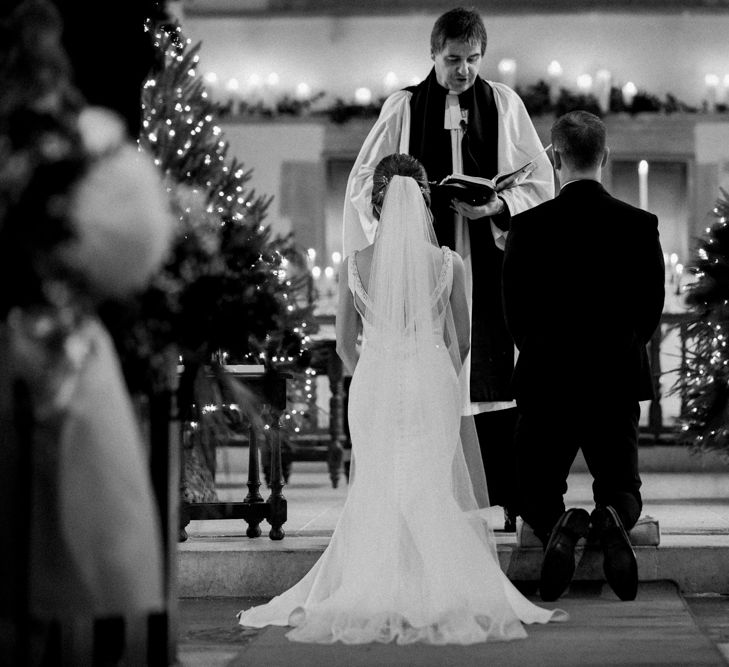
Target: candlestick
x=507 y=72
x=643 y=184
x=629 y=91
x=554 y=77
x=712 y=84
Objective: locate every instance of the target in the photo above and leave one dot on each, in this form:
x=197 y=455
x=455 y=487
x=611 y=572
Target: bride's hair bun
x=397 y=164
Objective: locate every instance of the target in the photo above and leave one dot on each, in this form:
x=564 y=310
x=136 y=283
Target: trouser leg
x=611 y=454
x=496 y=439
x=546 y=445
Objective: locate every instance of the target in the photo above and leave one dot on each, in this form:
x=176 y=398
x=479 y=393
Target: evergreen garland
x=703 y=380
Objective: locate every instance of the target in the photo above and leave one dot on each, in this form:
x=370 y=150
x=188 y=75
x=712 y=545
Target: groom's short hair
x=579 y=136
x=459 y=24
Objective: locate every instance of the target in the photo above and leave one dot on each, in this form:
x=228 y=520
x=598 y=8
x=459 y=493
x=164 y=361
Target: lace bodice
x=439 y=299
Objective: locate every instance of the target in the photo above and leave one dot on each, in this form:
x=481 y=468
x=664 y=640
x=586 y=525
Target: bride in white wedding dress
x=412 y=558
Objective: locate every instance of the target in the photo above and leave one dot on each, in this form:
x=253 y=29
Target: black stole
x=491 y=346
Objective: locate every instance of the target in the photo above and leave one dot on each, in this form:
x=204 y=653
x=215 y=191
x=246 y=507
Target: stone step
x=235 y=566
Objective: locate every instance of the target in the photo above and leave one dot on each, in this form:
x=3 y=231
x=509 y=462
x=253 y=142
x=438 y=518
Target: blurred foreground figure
x=83 y=218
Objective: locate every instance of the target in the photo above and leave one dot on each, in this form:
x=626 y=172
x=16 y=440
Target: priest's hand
x=492 y=207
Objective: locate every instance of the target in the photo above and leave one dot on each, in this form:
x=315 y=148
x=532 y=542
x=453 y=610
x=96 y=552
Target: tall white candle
x=603 y=87
x=643 y=184
x=712 y=88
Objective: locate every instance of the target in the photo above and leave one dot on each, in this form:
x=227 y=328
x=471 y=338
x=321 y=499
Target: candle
x=629 y=92
x=253 y=89
x=584 y=84
x=712 y=86
x=643 y=184
x=679 y=273
x=303 y=92
x=390 y=83
x=603 y=87
x=554 y=76
x=232 y=88
x=211 y=81
x=336 y=258
x=363 y=96
x=507 y=71
x=271 y=90
x=316 y=272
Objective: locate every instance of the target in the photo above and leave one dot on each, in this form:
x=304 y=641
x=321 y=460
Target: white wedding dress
x=411 y=558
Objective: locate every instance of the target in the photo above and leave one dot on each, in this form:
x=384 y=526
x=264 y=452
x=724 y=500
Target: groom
x=583 y=288
x=456 y=122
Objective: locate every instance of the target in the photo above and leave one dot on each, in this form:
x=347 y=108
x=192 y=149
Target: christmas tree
x=231 y=292
x=703 y=380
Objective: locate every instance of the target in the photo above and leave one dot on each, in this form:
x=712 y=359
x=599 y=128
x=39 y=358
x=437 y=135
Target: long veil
x=411 y=322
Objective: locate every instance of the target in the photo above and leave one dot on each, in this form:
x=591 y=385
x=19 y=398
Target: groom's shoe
x=619 y=565
x=558 y=565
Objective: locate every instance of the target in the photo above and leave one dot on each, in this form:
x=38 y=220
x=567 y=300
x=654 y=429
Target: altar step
x=232 y=566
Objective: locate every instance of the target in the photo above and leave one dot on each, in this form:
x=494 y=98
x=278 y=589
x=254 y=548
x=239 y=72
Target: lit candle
x=271 y=91
x=679 y=273
x=507 y=72
x=712 y=86
x=390 y=83
x=211 y=81
x=253 y=90
x=643 y=184
x=603 y=86
x=316 y=273
x=584 y=84
x=232 y=87
x=303 y=92
x=363 y=96
x=629 y=91
x=554 y=75
x=336 y=258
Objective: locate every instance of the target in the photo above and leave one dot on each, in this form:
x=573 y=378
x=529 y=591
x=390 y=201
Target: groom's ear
x=557 y=159
x=605 y=157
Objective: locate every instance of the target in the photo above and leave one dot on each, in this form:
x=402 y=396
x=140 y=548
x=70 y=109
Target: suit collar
x=581 y=187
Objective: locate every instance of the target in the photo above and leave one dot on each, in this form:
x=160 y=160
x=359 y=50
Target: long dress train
x=405 y=562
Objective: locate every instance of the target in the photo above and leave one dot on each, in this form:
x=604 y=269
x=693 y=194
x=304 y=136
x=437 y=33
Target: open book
x=475 y=190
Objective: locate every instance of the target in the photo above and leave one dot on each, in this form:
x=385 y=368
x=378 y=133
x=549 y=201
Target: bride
x=412 y=558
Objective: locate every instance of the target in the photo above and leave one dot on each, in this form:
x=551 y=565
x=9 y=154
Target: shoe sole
x=557 y=567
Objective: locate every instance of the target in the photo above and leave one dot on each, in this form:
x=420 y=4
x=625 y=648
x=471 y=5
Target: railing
x=656 y=430
x=270 y=387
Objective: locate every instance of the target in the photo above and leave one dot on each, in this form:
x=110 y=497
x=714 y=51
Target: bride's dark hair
x=397 y=164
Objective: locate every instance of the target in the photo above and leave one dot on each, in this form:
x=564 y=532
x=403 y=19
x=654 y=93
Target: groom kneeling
x=583 y=289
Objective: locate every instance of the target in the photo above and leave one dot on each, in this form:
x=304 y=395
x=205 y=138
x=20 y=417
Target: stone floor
x=658 y=628
x=663 y=626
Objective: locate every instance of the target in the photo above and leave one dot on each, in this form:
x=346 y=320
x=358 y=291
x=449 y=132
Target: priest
x=456 y=122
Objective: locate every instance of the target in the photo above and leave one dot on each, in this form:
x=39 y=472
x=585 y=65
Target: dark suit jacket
x=583 y=290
